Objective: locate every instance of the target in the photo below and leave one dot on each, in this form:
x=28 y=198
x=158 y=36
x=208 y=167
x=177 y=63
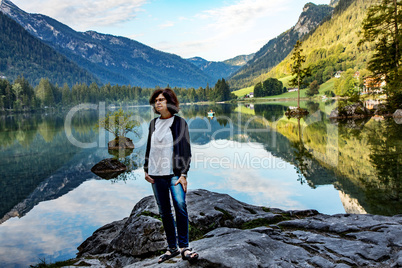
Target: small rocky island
x=229 y=233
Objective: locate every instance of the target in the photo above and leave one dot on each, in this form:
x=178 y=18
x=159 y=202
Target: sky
x=215 y=30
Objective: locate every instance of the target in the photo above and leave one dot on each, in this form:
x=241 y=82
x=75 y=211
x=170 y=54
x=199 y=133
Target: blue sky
x=214 y=30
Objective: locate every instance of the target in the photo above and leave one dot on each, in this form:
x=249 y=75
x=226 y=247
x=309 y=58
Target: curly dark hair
x=171 y=98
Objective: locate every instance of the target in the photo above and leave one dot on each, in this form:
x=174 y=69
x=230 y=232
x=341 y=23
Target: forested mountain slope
x=220 y=69
x=278 y=48
x=113 y=59
x=333 y=45
x=23 y=54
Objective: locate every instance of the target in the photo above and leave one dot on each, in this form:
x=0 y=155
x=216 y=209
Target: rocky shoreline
x=229 y=233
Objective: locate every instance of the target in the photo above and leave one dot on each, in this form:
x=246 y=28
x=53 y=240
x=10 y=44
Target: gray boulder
x=120 y=143
x=142 y=233
x=356 y=110
x=397 y=113
x=229 y=233
x=380 y=109
x=109 y=168
x=398 y=116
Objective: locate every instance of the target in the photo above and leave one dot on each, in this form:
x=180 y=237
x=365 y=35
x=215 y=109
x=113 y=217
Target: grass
x=285 y=80
x=329 y=85
x=244 y=91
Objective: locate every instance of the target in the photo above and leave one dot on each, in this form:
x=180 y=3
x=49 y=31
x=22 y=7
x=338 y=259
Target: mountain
x=220 y=69
x=23 y=54
x=333 y=3
x=333 y=45
x=113 y=59
x=278 y=48
x=239 y=60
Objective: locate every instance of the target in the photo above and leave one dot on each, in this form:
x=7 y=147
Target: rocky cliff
x=229 y=233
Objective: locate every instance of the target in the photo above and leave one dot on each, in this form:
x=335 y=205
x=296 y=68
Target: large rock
x=109 y=168
x=142 y=233
x=398 y=116
x=231 y=233
x=356 y=110
x=120 y=143
x=380 y=109
x=397 y=113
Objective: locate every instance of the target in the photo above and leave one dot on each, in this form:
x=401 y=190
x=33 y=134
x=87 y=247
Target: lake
x=51 y=201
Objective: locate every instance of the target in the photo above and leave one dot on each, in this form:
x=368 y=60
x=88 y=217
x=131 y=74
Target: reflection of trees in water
x=221 y=110
x=269 y=111
x=302 y=156
x=384 y=140
x=312 y=106
x=378 y=194
x=23 y=128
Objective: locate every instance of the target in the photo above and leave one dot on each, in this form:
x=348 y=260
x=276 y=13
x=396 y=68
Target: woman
x=167 y=161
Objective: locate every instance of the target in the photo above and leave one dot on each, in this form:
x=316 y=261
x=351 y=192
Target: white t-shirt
x=161 y=151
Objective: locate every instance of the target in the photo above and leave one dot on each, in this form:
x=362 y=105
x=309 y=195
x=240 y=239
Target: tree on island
x=298 y=70
x=119 y=123
x=383 y=27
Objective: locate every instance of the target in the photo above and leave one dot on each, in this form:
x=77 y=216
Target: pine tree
x=297 y=70
x=44 y=92
x=221 y=91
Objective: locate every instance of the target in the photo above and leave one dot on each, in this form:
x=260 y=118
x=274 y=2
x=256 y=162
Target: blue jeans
x=162 y=186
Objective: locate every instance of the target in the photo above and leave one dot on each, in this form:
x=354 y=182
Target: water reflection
x=302 y=156
x=255 y=154
x=385 y=145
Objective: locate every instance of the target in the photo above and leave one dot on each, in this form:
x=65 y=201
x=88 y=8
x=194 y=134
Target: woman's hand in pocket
x=148 y=178
x=183 y=182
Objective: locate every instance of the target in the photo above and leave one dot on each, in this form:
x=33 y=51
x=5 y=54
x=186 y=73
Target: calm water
x=51 y=201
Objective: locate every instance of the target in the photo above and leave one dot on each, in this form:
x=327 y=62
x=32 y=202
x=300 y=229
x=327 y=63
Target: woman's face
x=161 y=104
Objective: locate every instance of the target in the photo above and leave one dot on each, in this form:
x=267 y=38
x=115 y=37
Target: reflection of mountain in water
x=351 y=204
x=34 y=150
x=363 y=161
x=259 y=129
x=68 y=176
x=39 y=163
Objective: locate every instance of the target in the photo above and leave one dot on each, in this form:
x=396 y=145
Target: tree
x=382 y=26
x=119 y=123
x=222 y=91
x=297 y=70
x=44 y=92
x=313 y=89
x=17 y=88
x=258 y=90
x=65 y=95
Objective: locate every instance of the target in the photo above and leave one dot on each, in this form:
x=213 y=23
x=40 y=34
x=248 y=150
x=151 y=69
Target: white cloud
x=240 y=16
x=56 y=227
x=224 y=28
x=166 y=25
x=82 y=15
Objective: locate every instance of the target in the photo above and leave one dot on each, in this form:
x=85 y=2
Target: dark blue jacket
x=181 y=145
